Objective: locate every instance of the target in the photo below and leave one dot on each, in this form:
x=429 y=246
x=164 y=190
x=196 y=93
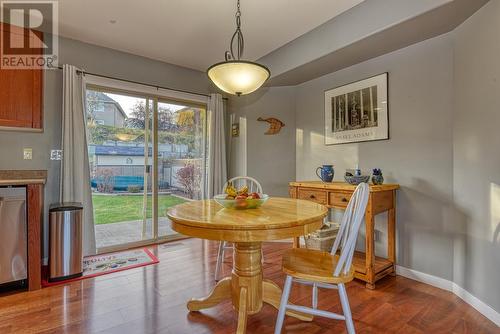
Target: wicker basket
x=323 y=238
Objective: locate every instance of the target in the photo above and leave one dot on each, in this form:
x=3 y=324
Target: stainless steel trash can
x=65 y=241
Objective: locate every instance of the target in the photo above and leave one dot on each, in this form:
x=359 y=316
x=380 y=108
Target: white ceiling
x=193 y=33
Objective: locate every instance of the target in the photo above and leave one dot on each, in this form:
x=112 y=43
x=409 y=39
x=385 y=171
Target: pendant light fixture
x=236 y=76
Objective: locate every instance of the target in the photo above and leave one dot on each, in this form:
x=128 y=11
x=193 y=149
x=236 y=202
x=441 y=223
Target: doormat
x=103 y=264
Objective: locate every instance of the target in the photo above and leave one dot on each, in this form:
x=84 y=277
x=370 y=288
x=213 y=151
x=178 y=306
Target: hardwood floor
x=153 y=299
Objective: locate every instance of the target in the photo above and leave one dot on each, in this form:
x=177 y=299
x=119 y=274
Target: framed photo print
x=235 y=129
x=357 y=112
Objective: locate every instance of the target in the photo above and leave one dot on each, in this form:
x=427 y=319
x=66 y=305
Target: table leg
x=370 y=250
x=247 y=273
x=242 y=312
x=391 y=234
x=296 y=242
x=246 y=287
x=221 y=292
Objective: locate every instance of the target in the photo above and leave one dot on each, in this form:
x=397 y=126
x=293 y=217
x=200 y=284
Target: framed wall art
x=235 y=129
x=357 y=112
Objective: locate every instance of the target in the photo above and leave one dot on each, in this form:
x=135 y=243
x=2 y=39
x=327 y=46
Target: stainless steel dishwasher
x=13 y=235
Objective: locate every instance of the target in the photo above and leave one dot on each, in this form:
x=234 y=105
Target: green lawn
x=113 y=208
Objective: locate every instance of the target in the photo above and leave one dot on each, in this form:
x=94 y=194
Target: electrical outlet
x=56 y=154
x=27 y=153
x=377 y=235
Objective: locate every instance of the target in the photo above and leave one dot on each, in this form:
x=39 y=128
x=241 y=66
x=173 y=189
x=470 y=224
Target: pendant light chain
x=237 y=34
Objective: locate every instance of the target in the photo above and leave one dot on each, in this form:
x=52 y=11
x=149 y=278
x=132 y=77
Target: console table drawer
x=339 y=199
x=317 y=196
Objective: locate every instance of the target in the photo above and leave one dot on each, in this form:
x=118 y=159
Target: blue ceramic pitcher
x=325 y=173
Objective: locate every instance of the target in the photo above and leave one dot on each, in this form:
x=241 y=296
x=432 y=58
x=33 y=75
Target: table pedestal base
x=246 y=287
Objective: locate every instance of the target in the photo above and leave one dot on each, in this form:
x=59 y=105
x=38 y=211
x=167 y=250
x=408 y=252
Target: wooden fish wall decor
x=275 y=125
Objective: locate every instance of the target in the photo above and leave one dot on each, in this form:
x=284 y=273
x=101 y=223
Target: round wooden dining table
x=277 y=219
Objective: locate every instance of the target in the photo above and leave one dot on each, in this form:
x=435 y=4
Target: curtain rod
x=139 y=83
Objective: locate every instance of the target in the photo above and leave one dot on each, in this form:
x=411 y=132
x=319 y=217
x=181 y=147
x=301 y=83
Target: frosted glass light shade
x=238 y=77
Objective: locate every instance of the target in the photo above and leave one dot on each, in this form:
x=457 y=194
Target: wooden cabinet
x=369 y=268
x=21 y=92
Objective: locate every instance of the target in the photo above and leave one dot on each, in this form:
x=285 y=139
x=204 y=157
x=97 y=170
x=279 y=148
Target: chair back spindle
x=349 y=228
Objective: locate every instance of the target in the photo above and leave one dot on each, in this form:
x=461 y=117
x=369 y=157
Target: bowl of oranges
x=240 y=199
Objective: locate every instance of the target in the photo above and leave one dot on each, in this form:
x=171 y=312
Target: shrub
x=189 y=177
x=134 y=189
x=105 y=180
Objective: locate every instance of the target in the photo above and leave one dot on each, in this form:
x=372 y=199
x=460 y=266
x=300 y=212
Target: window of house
x=99 y=107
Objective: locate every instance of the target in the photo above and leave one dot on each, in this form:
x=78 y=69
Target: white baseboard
x=445 y=284
x=476 y=303
x=438 y=282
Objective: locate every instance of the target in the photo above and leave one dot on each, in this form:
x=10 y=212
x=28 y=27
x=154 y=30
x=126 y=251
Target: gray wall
x=270 y=158
x=418 y=155
x=476 y=167
x=96 y=60
x=12 y=143
x=443 y=151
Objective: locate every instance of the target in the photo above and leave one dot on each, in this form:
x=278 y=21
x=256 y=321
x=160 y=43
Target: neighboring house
x=118 y=155
x=105 y=110
x=127 y=162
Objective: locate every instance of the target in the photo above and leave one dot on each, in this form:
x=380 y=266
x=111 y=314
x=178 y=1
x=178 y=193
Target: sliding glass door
x=120 y=159
x=146 y=155
x=181 y=157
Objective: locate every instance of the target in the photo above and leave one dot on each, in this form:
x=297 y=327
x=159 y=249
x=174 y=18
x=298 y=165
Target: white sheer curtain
x=75 y=174
x=217 y=165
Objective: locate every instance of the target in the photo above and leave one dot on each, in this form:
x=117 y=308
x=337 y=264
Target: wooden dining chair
x=238 y=182
x=326 y=270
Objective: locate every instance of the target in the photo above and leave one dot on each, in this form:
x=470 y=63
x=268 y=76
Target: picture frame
x=235 y=130
x=357 y=112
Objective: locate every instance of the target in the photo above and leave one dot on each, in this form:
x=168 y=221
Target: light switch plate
x=27 y=153
x=55 y=154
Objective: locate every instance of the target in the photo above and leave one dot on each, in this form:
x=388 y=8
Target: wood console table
x=369 y=268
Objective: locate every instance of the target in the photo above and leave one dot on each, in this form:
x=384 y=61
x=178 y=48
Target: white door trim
x=144 y=89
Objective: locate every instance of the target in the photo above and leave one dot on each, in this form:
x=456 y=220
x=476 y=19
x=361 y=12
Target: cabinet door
x=21 y=93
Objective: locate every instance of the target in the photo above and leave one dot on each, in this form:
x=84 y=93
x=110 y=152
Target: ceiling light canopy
x=236 y=76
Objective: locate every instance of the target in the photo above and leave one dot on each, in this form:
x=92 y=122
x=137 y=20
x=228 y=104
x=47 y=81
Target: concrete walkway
x=129 y=231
